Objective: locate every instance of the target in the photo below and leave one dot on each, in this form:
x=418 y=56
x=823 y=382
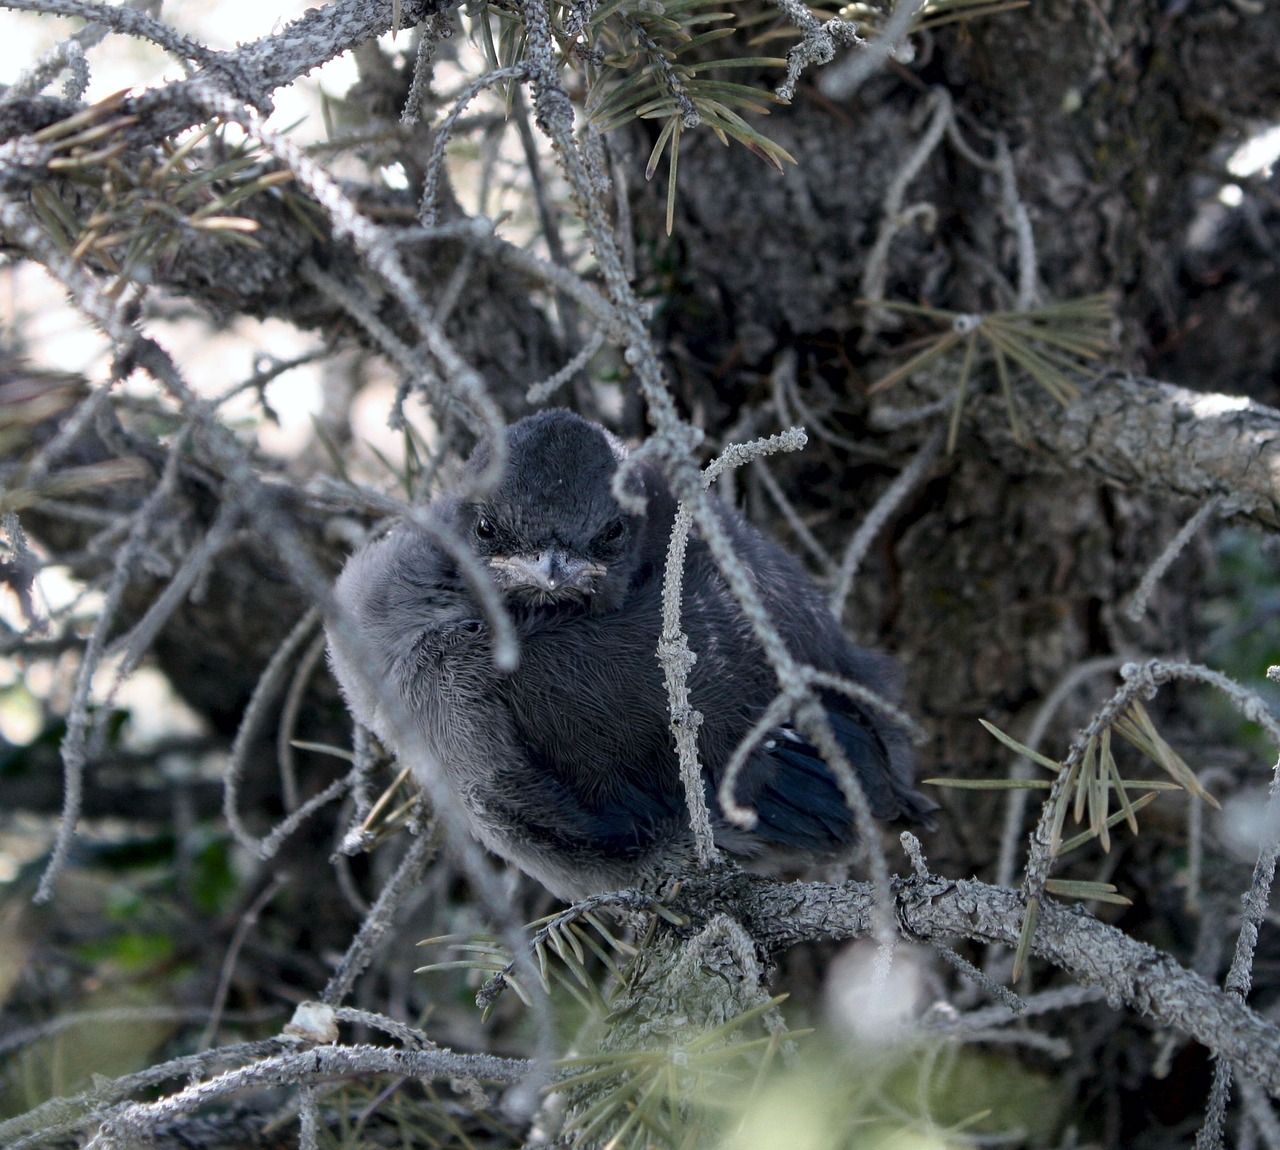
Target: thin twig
x=842 y=81
x=906 y=481
x=893 y=216
x=1240 y=976
x=312 y=1067
x=247 y=921
x=79 y=714
x=1137 y=606
x=264 y=694
x=428 y=208
x=293 y=700
x=379 y=920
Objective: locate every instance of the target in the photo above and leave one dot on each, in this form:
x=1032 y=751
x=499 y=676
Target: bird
x=565 y=765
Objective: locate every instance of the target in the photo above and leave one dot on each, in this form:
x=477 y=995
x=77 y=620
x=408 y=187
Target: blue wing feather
x=800 y=804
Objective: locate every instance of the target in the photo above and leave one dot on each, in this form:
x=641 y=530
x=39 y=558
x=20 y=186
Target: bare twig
x=381 y=916
x=312 y=1067
x=1137 y=606
x=247 y=921
x=79 y=714
x=1240 y=976
x=289 y=718
x=894 y=216
x=269 y=684
x=906 y=481
x=428 y=208
x=842 y=81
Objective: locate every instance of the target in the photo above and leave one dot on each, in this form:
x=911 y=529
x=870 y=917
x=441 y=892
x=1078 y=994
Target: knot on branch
x=553 y=111
x=677 y=654
x=818 y=46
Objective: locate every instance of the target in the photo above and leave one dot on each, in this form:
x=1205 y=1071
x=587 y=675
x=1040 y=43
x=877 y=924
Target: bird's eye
x=611 y=534
x=484 y=529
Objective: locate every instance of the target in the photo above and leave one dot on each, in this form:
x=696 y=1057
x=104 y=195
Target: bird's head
x=551 y=531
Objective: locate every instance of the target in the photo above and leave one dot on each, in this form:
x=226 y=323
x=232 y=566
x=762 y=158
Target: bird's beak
x=550 y=572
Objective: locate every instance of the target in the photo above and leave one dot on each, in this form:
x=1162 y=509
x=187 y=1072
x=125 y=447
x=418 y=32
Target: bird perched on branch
x=566 y=764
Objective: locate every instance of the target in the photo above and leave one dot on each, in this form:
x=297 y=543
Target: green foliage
x=1085 y=788
x=661 y=60
x=671 y=1097
x=725 y=1086
x=670 y=1094
x=928 y=1094
x=214 y=882
x=1095 y=776
x=647 y=59
x=127 y=211
x=131 y=951
x=734 y=1093
x=573 y=951
x=1048 y=343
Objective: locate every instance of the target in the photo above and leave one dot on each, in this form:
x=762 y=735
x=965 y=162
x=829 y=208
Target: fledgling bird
x=566 y=765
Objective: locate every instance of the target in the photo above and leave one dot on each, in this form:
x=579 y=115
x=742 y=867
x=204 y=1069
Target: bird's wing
x=799 y=803
x=797 y=798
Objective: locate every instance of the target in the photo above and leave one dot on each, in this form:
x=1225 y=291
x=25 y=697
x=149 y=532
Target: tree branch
x=931 y=908
x=1144 y=434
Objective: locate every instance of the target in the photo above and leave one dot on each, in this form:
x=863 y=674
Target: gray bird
x=566 y=765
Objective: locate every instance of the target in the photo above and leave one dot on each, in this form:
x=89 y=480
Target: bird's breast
x=588 y=699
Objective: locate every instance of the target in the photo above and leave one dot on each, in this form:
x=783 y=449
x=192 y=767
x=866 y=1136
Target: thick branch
x=781 y=914
x=319 y=1064
x=252 y=72
x=1145 y=434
